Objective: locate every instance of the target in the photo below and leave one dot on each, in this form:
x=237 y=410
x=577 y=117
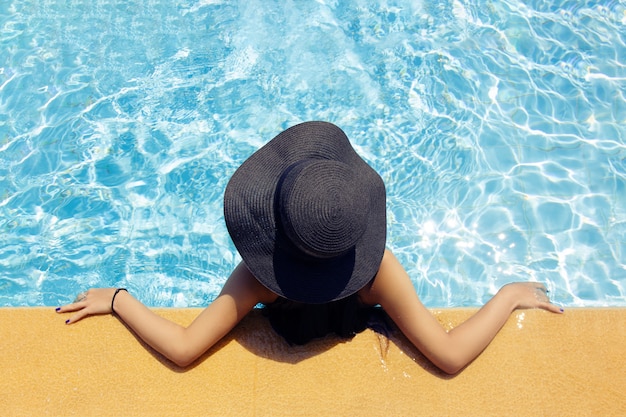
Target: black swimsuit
x=299 y=323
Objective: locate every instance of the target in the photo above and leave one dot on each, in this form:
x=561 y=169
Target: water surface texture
x=498 y=127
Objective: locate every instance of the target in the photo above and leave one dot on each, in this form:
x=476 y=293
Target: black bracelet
x=113 y=299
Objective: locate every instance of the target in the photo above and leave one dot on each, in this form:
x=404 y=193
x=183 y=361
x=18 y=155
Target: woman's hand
x=89 y=303
x=526 y=295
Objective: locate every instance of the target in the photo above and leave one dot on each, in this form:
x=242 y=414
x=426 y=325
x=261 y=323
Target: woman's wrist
x=508 y=295
x=115 y=294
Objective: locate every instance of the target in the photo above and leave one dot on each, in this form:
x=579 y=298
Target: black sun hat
x=307 y=215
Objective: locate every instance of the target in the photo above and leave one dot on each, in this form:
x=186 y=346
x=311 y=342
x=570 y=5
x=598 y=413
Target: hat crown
x=322 y=210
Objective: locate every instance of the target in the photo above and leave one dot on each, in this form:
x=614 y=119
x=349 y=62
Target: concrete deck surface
x=540 y=364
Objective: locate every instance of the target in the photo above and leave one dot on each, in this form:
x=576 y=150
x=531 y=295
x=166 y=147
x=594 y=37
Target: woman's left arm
x=450 y=351
x=182 y=345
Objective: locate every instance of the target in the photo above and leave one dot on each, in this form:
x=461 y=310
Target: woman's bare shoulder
x=390 y=278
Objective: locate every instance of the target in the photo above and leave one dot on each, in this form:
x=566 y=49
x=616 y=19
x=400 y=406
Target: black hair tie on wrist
x=113 y=299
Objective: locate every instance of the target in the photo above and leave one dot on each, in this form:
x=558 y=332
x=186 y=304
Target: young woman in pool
x=307 y=215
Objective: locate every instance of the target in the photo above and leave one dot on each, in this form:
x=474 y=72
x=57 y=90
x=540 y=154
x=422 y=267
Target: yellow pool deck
x=540 y=364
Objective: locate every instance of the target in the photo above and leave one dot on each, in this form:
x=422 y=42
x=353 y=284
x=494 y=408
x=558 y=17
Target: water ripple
x=497 y=127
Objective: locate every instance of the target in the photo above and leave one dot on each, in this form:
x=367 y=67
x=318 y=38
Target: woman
x=307 y=215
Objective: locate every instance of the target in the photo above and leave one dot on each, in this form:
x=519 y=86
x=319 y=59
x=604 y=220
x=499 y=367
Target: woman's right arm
x=179 y=344
x=453 y=350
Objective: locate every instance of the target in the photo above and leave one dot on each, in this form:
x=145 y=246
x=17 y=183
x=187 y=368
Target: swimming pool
x=498 y=127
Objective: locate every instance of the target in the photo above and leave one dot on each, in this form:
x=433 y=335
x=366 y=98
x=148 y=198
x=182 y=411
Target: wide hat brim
x=254 y=225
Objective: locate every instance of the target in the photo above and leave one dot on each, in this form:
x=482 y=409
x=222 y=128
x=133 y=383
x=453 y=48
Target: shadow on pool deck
x=539 y=364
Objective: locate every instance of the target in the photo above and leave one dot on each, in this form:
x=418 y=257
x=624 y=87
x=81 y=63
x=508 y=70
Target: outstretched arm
x=450 y=351
x=179 y=344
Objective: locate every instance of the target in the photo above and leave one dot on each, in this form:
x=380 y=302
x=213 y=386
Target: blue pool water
x=498 y=127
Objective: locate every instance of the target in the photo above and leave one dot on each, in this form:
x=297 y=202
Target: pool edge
x=539 y=364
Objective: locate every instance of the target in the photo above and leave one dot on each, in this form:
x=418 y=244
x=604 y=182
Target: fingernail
x=57 y=309
x=67 y=321
x=561 y=310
